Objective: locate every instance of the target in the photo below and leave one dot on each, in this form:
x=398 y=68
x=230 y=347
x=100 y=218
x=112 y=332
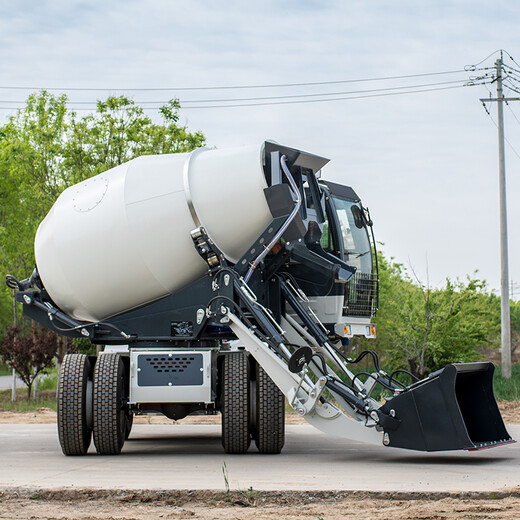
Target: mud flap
x=453 y=409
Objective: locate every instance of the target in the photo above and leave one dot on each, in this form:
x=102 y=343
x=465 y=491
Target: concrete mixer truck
x=226 y=281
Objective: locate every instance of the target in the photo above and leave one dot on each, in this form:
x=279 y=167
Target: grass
x=47 y=400
x=5 y=370
x=241 y=497
x=507 y=389
x=226 y=480
x=49 y=381
x=47 y=386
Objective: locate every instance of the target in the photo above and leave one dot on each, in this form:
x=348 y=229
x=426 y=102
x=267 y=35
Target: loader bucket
x=453 y=409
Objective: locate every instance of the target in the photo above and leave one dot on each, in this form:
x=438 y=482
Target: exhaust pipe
x=453 y=409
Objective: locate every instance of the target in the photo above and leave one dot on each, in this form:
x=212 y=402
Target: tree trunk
x=416 y=369
x=13 y=394
x=15 y=310
x=425 y=341
x=36 y=389
x=62 y=350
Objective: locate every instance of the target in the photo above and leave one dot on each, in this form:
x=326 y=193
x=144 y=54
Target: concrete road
x=190 y=457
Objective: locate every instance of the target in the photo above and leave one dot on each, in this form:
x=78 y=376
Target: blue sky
x=425 y=164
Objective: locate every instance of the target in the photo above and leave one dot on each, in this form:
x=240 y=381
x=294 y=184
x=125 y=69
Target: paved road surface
x=191 y=457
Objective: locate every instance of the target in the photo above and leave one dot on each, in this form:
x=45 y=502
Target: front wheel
x=235 y=403
x=109 y=404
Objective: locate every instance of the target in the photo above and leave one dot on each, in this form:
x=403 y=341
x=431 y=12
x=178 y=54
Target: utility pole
x=15 y=319
x=504 y=264
x=13 y=391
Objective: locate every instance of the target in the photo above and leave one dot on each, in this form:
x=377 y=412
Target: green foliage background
x=45 y=148
x=422 y=328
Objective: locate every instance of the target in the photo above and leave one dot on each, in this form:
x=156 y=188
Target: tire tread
x=73 y=434
x=108 y=435
x=270 y=414
x=236 y=436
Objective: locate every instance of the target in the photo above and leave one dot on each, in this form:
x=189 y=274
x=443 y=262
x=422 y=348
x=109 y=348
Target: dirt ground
x=250 y=505
x=510 y=413
x=48 y=416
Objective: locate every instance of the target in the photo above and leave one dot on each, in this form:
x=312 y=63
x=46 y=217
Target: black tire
x=73 y=431
x=109 y=410
x=270 y=414
x=235 y=403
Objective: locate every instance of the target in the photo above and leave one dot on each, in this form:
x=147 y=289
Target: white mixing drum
x=122 y=239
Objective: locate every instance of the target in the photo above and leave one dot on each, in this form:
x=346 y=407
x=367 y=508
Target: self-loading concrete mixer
x=224 y=281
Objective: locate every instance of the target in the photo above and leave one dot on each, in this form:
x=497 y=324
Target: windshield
x=353 y=231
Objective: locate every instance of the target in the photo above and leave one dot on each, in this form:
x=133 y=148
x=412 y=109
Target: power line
x=512 y=76
x=512 y=112
x=473 y=67
x=509 y=68
x=330 y=99
x=511 y=87
x=496 y=125
x=292 y=101
x=505 y=138
x=266 y=98
x=232 y=87
x=512 y=59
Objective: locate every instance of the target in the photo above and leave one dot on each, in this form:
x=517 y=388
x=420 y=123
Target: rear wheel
x=269 y=429
x=109 y=410
x=235 y=403
x=74 y=401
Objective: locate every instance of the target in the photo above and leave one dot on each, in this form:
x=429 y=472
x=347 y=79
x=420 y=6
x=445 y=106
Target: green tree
x=44 y=148
x=30 y=154
x=515 y=326
x=423 y=328
x=29 y=354
x=119 y=131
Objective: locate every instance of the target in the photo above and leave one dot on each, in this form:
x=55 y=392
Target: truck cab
x=351 y=239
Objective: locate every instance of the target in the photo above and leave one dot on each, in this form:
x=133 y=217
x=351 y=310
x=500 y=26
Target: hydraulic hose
x=281 y=231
